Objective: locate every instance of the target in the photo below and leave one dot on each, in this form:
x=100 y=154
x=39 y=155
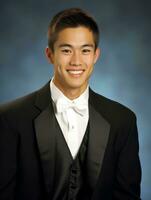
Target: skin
x=73 y=59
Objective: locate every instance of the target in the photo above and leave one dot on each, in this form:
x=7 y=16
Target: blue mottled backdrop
x=123 y=72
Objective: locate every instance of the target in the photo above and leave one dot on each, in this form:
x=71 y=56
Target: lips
x=75 y=72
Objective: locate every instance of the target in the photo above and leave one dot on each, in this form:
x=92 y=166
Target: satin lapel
x=98 y=137
x=45 y=133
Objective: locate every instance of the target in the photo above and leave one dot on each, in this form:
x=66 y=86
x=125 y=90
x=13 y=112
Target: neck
x=71 y=93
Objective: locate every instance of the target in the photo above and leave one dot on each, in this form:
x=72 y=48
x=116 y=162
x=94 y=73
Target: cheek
x=62 y=60
x=89 y=61
x=60 y=65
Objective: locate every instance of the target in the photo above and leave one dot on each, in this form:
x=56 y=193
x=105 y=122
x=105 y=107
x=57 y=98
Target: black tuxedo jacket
x=27 y=149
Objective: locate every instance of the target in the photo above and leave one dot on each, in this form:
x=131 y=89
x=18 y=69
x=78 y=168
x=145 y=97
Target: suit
x=27 y=148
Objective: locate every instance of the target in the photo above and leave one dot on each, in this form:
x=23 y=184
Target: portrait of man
x=65 y=141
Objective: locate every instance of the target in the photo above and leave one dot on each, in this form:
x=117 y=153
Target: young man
x=64 y=141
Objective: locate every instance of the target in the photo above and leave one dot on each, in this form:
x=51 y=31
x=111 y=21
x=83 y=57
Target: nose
x=75 y=59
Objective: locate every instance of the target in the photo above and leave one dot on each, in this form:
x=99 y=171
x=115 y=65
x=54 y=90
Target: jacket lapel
x=45 y=135
x=98 y=137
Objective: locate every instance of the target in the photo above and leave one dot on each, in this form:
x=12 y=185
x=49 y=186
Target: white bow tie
x=63 y=105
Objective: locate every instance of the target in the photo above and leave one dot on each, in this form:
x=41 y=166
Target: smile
x=75 y=72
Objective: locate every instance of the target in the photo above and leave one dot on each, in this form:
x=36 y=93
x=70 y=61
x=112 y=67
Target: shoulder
x=22 y=111
x=27 y=102
x=18 y=111
x=111 y=110
x=19 y=103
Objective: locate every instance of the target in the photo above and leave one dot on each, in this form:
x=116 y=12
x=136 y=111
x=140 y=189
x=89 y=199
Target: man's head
x=71 y=18
x=73 y=50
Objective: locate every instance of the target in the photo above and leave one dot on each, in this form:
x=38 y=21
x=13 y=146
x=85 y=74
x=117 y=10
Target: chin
x=77 y=86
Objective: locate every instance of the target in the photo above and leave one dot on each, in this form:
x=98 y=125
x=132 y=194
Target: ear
x=97 y=54
x=49 y=54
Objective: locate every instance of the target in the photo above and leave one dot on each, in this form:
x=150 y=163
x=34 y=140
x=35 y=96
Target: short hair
x=71 y=18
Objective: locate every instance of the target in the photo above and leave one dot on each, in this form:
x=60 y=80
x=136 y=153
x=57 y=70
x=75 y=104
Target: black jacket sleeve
x=8 y=160
x=128 y=172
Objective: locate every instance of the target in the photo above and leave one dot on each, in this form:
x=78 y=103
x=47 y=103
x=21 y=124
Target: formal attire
x=36 y=161
x=72 y=116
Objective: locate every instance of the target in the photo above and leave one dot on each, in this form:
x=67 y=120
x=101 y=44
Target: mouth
x=75 y=72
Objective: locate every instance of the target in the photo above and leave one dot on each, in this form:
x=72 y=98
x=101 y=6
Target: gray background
x=123 y=72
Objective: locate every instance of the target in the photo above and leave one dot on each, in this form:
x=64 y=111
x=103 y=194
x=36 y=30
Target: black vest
x=70 y=174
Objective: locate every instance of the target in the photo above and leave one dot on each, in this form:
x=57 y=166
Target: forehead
x=78 y=36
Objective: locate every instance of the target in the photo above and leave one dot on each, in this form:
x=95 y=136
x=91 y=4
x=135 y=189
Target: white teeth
x=75 y=72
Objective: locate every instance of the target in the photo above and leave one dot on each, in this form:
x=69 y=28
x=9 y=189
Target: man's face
x=73 y=58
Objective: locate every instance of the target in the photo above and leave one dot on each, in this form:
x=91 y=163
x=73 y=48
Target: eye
x=66 y=51
x=86 y=51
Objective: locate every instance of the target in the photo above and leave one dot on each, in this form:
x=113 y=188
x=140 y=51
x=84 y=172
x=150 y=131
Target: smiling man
x=65 y=141
x=73 y=57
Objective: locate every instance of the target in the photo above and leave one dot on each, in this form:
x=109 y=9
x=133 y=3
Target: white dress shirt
x=72 y=124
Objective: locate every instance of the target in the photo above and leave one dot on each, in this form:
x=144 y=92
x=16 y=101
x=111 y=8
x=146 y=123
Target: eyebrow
x=68 y=45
